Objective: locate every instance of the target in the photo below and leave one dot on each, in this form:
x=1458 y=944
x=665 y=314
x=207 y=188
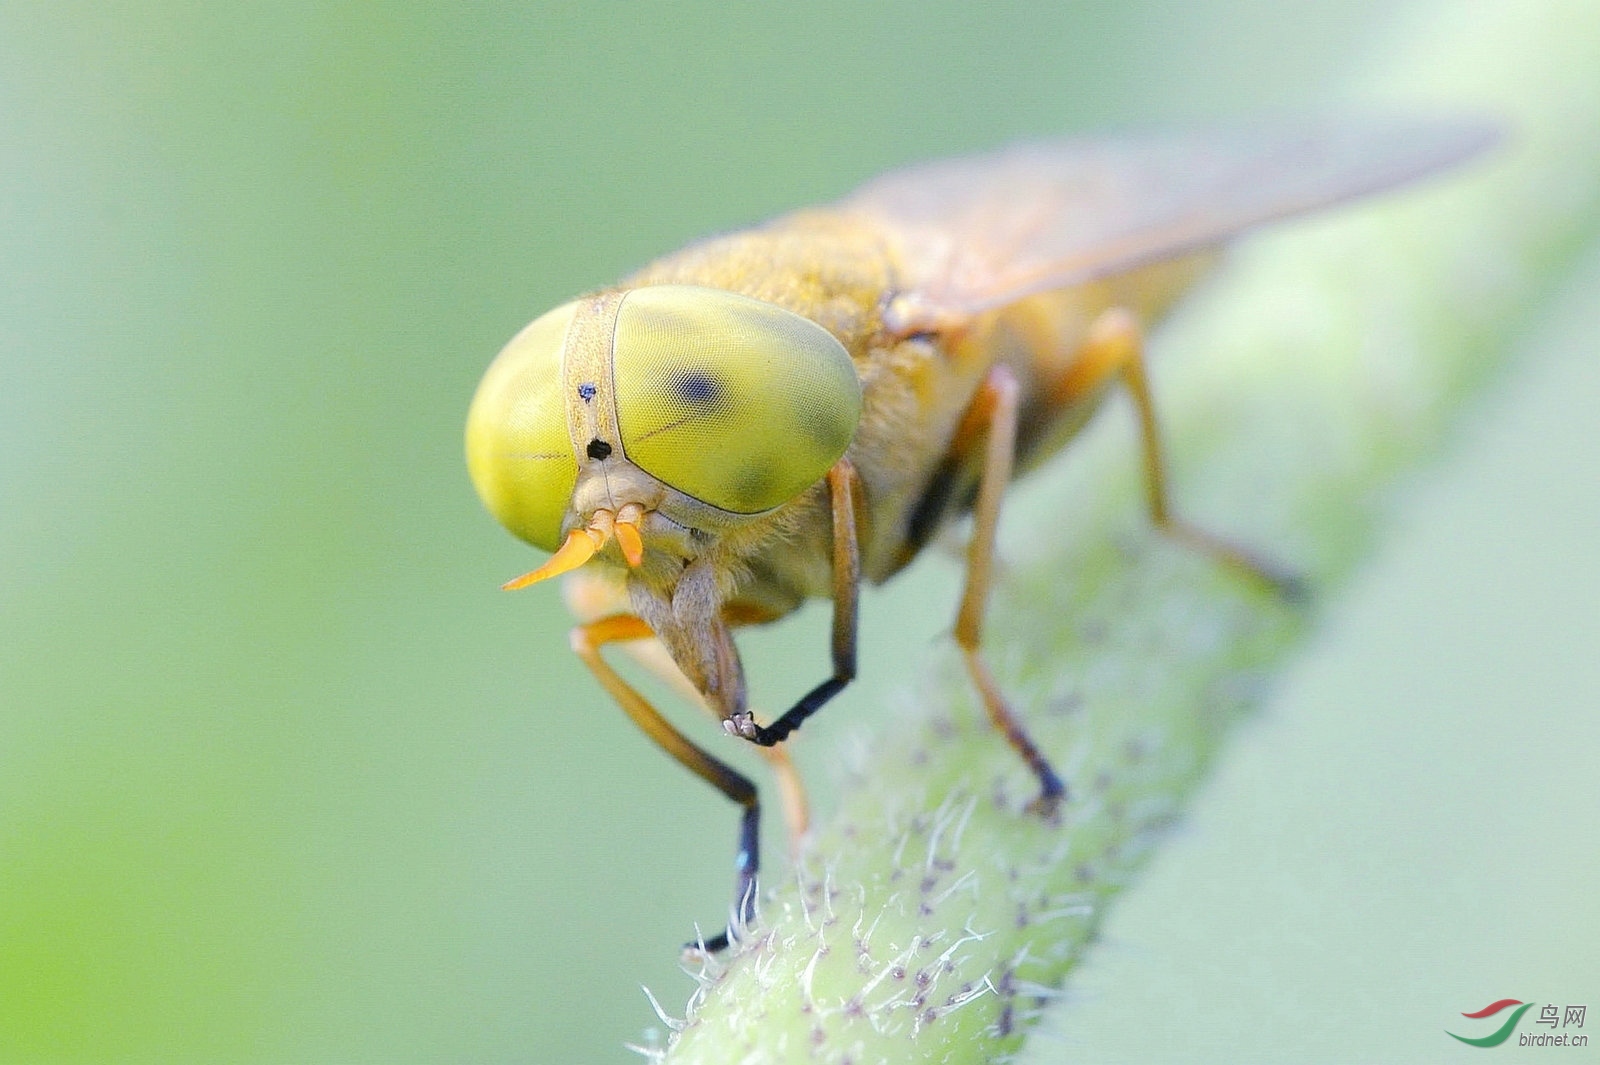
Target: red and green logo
x=1500 y=1035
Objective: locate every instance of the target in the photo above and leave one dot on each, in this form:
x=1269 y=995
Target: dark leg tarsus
x=744 y=900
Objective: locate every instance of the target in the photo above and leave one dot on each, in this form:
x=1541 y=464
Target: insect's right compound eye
x=734 y=401
x=518 y=450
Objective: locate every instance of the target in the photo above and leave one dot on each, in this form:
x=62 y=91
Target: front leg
x=592 y=594
x=842 y=482
x=587 y=640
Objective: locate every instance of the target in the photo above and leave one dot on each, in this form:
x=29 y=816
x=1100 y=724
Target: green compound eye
x=734 y=401
x=518 y=450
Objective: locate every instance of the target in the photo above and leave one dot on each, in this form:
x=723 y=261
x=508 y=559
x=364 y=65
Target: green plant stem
x=930 y=918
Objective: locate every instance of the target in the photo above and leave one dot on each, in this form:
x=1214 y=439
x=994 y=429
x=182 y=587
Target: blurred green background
x=283 y=776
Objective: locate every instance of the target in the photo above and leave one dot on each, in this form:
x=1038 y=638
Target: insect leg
x=1115 y=344
x=587 y=640
x=996 y=403
x=846 y=586
x=593 y=594
x=652 y=654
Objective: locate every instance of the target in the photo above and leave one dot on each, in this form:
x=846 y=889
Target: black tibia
x=846 y=587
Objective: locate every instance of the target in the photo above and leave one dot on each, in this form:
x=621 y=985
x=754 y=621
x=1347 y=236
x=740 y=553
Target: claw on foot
x=742 y=725
x=1046 y=808
x=1052 y=793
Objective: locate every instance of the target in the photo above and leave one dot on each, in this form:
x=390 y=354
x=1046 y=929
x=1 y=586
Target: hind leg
x=1115 y=345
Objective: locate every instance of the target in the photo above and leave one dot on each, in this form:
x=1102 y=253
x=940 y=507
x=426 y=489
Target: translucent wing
x=978 y=232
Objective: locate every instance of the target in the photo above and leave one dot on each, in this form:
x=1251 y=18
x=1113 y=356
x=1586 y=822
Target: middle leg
x=994 y=410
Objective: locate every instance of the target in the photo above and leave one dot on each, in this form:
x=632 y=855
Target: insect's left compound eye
x=518 y=451
x=734 y=401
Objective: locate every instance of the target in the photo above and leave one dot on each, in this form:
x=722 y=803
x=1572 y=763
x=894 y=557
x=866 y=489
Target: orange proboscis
x=582 y=544
x=580 y=547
